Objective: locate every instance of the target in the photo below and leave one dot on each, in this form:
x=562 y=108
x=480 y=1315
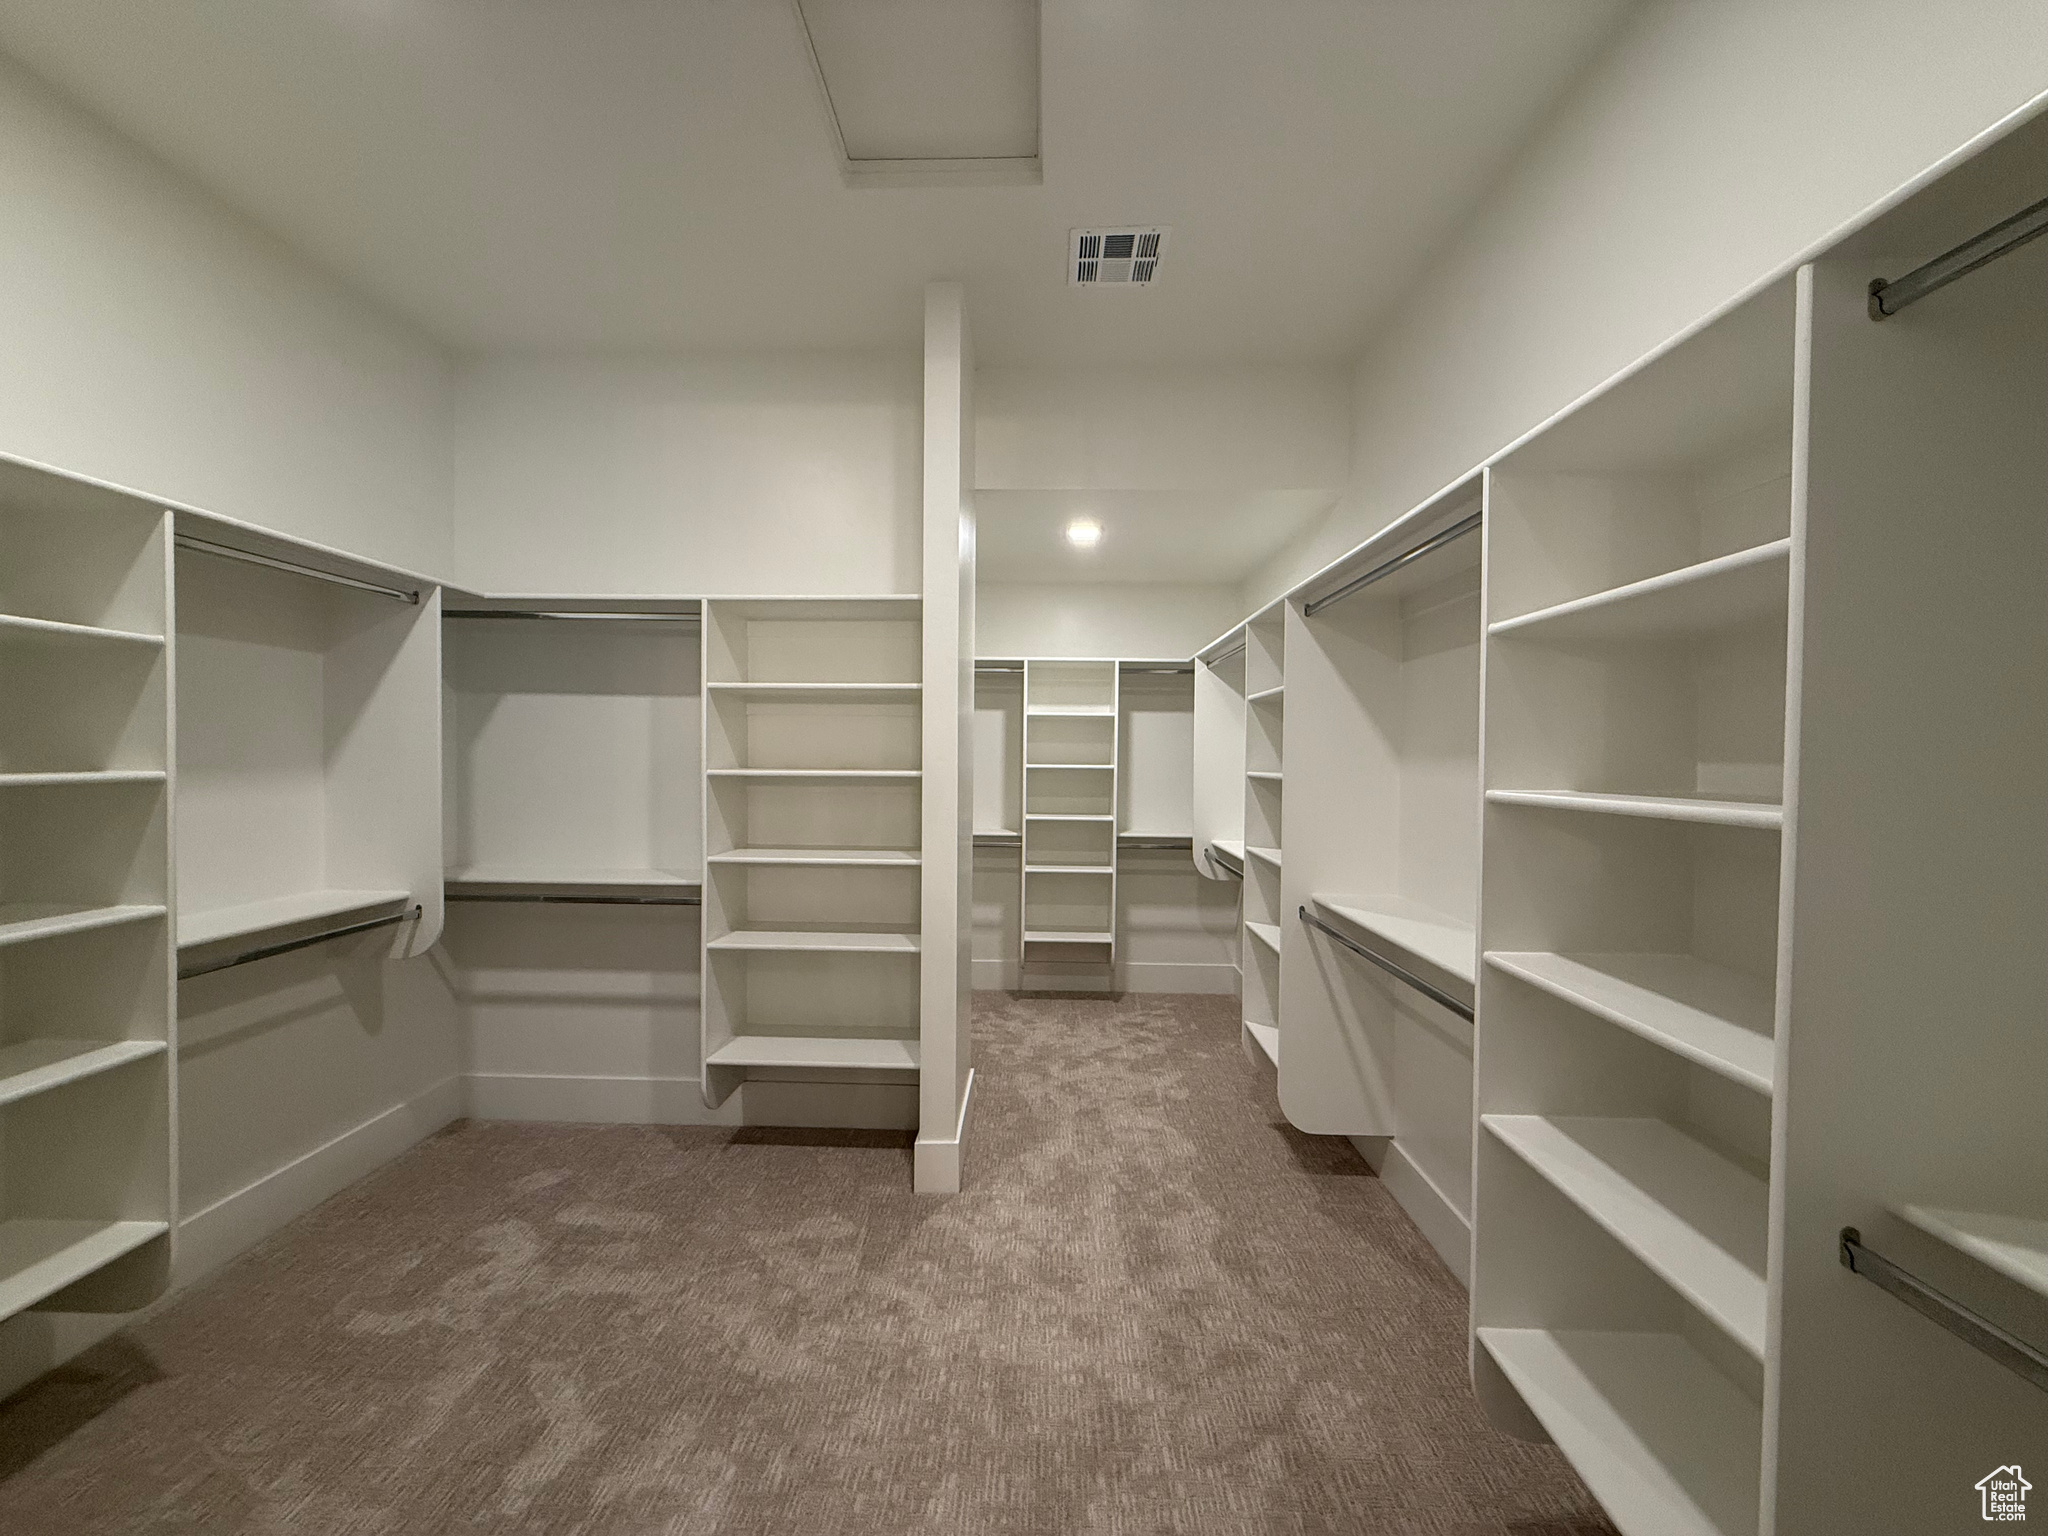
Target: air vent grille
x=1127 y=258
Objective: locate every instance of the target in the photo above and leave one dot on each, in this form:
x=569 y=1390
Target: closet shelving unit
x=574 y=742
x=1219 y=766
x=1265 y=731
x=1070 y=774
x=87 y=1018
x=813 y=754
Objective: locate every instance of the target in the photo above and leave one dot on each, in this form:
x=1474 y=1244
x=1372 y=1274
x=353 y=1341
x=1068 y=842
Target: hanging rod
x=1888 y=298
x=1974 y=1329
x=270 y=950
x=222 y=551
x=609 y=616
x=997 y=666
x=1179 y=670
x=1457 y=530
x=1434 y=994
x=530 y=899
x=1217 y=857
x=1224 y=655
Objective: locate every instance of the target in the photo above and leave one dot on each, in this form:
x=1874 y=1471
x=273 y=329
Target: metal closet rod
x=267 y=951
x=1217 y=857
x=609 y=616
x=1434 y=994
x=1172 y=671
x=1387 y=568
x=1225 y=654
x=526 y=899
x=224 y=552
x=1973 y=1328
x=1888 y=298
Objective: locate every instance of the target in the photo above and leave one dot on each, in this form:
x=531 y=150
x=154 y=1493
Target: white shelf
x=825 y=943
x=1271 y=778
x=1668 y=1445
x=1231 y=846
x=1707 y=811
x=1073 y=767
x=825 y=857
x=1279 y=690
x=1069 y=869
x=815 y=774
x=254 y=917
x=566 y=879
x=1267 y=1037
x=1723 y=593
x=1062 y=816
x=1425 y=933
x=848 y=692
x=100 y=776
x=2015 y=1246
x=1265 y=855
x=39 y=1257
x=1073 y=711
x=1692 y=1216
x=1705 y=1013
x=22 y=921
x=1065 y=936
x=841 y=1052
x=1267 y=934
x=19 y=631
x=35 y=1066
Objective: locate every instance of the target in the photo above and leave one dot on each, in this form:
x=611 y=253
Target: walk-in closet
x=1006 y=766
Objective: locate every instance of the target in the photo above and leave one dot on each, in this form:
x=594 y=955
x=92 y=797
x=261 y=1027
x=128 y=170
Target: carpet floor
x=1156 y=1309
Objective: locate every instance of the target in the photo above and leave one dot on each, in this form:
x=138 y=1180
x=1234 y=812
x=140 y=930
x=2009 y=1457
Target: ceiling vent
x=1115 y=257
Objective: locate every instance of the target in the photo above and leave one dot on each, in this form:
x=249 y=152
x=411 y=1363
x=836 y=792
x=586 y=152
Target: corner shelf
x=1701 y=810
x=39 y=1064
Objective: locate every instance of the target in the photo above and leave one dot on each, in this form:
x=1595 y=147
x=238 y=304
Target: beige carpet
x=1157 y=1309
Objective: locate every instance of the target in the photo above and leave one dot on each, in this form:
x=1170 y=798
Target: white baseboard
x=936 y=1163
x=1449 y=1233
x=1212 y=978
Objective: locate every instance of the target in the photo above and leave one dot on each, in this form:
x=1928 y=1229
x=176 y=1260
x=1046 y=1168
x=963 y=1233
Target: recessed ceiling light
x=1084 y=533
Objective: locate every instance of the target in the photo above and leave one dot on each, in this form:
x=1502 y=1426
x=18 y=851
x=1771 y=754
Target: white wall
x=1151 y=620
x=159 y=341
x=727 y=475
x=1711 y=145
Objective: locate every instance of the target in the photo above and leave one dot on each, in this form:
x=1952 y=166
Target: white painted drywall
x=1711 y=145
x=725 y=475
x=160 y=341
x=1153 y=619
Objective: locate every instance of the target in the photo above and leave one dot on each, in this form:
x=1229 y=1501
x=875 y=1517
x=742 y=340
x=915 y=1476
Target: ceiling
x=1197 y=537
x=643 y=174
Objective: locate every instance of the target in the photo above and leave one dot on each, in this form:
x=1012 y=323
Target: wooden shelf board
x=96 y=776
x=253 y=917
x=1267 y=934
x=40 y=1256
x=15 y=630
x=1066 y=936
x=22 y=921
x=884 y=857
x=1705 y=1013
x=1723 y=593
x=782 y=940
x=1708 y=811
x=2015 y=1246
x=1688 y=1213
x=1667 y=1444
x=40 y=1064
x=814 y=774
x=1267 y=1037
x=838 y=1052
x=1443 y=941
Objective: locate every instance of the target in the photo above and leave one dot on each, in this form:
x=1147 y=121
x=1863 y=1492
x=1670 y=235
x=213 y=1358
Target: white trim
x=1434 y=1213
x=935 y=1166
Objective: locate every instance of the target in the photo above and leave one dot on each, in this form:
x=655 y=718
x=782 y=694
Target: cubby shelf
x=40 y=1256
x=1264 y=855
x=1690 y=1214
x=821 y=857
x=1443 y=941
x=1701 y=810
x=1267 y=695
x=842 y=1053
x=1667 y=1444
x=15 y=630
x=36 y=1065
x=23 y=921
x=2015 y=1246
x=826 y=943
x=254 y=917
x=1267 y=1038
x=1267 y=934
x=97 y=776
x=1724 y=593
x=1705 y=1013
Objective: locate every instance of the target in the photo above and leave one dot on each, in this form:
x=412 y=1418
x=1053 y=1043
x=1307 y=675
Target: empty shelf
x=815 y=774
x=1266 y=693
x=1425 y=933
x=1267 y=934
x=101 y=776
x=2015 y=1246
x=1069 y=869
x=1267 y=1037
x=34 y=1066
x=21 y=921
x=1264 y=855
x=39 y=1257
x=1074 y=711
x=1723 y=593
x=830 y=943
x=1712 y=812
x=1063 y=816
x=1229 y=848
x=1705 y=1013
x=904 y=857
x=20 y=631
x=253 y=917
x=1074 y=767
x=1667 y=1444
x=567 y=880
x=1688 y=1213
x=1066 y=936
x=845 y=1052
x=853 y=692
x=1264 y=777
